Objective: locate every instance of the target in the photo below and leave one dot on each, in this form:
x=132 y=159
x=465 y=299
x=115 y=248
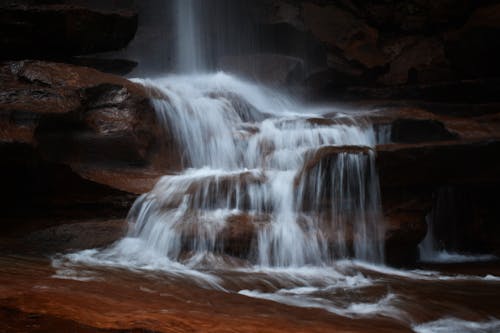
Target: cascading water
x=246 y=149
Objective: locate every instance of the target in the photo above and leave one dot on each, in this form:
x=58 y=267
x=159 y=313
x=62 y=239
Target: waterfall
x=189 y=56
x=246 y=152
x=266 y=179
x=443 y=239
x=208 y=30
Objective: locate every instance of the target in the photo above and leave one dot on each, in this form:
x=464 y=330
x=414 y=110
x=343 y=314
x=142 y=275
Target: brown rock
x=417 y=60
x=341 y=30
x=81 y=117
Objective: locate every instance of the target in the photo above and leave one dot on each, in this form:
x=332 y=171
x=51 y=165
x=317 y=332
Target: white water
x=245 y=150
x=457 y=325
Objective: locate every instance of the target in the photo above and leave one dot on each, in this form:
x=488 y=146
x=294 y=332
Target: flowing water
x=277 y=201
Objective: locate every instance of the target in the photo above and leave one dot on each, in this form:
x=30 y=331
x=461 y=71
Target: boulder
x=76 y=144
x=59 y=31
x=79 y=116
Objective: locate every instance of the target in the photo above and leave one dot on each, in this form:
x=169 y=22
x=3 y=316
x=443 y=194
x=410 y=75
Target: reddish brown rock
x=75 y=144
x=80 y=117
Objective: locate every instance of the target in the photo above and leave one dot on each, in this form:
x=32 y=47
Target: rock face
x=76 y=115
x=61 y=31
x=76 y=143
x=391 y=44
x=266 y=68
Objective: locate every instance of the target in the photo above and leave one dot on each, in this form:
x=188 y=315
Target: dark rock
x=417 y=60
x=465 y=218
x=60 y=31
x=270 y=69
x=36 y=188
x=474 y=49
x=419 y=130
x=341 y=30
x=435 y=164
x=413 y=16
x=112 y=66
x=77 y=236
x=459 y=91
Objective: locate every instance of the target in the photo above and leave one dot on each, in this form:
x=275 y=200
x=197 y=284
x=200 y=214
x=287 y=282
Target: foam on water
x=306 y=298
x=447 y=325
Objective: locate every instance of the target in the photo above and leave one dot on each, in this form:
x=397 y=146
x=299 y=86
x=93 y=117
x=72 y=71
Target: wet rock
x=60 y=31
x=78 y=116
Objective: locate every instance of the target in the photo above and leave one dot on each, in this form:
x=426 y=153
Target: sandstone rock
x=59 y=31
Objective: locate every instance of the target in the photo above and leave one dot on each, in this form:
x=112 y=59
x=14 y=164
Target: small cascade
x=444 y=240
x=248 y=155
